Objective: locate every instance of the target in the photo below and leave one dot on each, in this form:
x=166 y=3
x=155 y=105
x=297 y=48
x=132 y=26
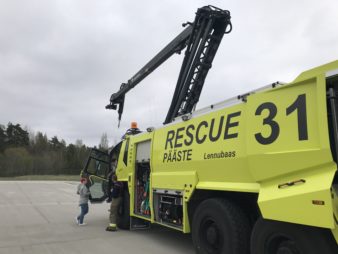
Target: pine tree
x=3 y=138
x=16 y=136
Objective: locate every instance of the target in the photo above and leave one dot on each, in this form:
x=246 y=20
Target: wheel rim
x=279 y=244
x=211 y=236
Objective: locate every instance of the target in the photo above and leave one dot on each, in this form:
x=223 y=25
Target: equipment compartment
x=142 y=181
x=168 y=207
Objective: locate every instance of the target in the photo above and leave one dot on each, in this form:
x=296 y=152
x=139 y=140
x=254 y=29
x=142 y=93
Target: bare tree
x=31 y=135
x=79 y=143
x=104 y=143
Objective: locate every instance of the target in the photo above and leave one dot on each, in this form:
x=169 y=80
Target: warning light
x=134 y=125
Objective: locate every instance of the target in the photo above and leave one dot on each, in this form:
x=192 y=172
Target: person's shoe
x=82 y=224
x=111 y=228
x=77 y=221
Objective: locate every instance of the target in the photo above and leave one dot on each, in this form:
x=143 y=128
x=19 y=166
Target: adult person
x=84 y=193
x=116 y=199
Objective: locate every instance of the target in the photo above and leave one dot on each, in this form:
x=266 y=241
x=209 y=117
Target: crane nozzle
x=111 y=106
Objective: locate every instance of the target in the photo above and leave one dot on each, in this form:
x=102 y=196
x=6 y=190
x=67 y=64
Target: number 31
x=299 y=105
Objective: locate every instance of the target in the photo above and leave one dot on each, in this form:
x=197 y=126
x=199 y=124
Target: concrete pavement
x=37 y=217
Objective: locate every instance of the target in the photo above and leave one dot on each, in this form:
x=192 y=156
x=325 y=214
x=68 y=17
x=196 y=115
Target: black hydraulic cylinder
x=209 y=27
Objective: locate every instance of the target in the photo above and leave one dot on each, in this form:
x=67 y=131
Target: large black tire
x=123 y=215
x=274 y=237
x=220 y=227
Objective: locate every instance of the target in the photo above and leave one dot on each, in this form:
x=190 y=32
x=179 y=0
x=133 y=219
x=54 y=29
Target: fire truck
x=256 y=173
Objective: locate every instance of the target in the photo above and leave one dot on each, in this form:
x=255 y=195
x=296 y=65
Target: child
x=84 y=193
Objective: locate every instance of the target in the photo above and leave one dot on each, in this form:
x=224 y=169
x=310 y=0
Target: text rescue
x=187 y=135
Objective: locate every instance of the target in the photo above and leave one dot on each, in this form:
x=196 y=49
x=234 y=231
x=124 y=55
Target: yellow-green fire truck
x=252 y=174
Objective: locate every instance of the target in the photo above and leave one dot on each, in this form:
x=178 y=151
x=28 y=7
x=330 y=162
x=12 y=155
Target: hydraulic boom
x=201 y=40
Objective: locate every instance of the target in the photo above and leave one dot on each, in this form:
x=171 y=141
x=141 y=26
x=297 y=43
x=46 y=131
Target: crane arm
x=201 y=39
x=175 y=46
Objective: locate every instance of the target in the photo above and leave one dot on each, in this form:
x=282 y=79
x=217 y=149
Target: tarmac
x=38 y=217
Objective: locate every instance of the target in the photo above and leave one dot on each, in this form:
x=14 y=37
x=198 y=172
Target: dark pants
x=114 y=207
x=84 y=211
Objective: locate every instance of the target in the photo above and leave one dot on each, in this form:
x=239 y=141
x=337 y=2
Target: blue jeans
x=84 y=211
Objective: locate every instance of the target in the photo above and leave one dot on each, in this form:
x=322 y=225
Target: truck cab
x=130 y=161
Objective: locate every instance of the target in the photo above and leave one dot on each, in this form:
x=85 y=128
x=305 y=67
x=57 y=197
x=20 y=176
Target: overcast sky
x=61 y=60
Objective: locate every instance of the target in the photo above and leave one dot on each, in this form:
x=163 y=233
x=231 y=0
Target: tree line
x=25 y=153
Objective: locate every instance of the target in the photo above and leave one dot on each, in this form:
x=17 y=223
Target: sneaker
x=82 y=224
x=77 y=221
x=111 y=229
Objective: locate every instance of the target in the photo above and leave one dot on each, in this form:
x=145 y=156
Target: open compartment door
x=97 y=170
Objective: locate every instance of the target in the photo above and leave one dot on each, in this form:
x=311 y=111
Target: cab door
x=97 y=170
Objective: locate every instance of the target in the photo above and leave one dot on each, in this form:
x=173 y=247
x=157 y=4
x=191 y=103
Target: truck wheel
x=274 y=237
x=219 y=226
x=123 y=215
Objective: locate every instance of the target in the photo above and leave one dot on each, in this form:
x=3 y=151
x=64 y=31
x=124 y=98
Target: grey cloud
x=61 y=60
